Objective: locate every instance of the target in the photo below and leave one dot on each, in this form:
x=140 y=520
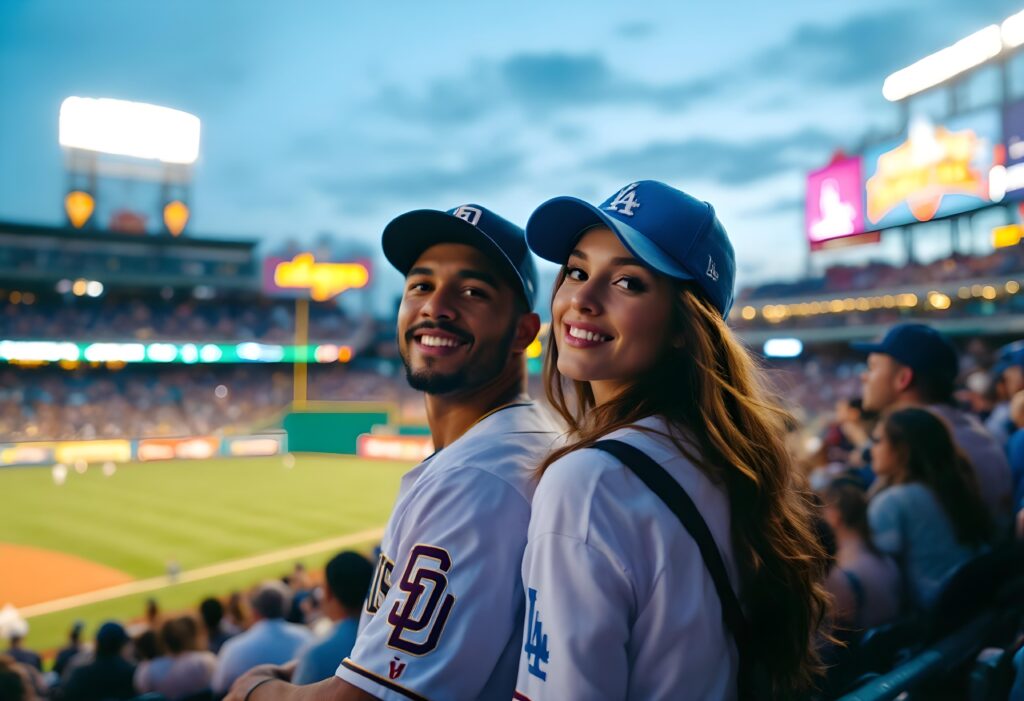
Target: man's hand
x=245 y=683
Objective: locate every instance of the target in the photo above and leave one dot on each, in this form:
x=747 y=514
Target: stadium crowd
x=162 y=401
x=196 y=655
x=153 y=318
x=879 y=275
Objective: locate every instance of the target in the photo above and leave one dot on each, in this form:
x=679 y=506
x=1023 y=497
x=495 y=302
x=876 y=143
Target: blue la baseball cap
x=919 y=347
x=1009 y=356
x=667 y=229
x=408 y=235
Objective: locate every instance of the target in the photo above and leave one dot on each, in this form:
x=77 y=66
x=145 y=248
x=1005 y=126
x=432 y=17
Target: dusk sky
x=336 y=116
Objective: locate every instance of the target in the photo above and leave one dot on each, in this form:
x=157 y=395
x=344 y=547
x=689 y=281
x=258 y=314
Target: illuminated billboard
x=304 y=275
x=936 y=170
x=1013 y=136
x=835 y=202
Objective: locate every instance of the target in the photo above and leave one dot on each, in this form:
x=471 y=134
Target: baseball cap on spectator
x=1013 y=358
x=921 y=348
x=668 y=230
x=408 y=235
x=110 y=638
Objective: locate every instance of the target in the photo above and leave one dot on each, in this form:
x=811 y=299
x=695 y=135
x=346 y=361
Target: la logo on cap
x=470 y=215
x=625 y=201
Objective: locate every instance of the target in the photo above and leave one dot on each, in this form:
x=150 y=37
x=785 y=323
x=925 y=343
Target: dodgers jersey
x=619 y=602
x=444 y=615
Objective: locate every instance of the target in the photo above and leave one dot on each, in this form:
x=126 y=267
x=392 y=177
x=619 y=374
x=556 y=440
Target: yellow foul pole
x=301 y=341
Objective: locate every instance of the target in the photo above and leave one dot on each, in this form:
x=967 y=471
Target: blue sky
x=336 y=116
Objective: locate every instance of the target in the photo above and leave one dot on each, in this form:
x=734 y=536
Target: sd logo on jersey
x=418 y=621
x=536 y=645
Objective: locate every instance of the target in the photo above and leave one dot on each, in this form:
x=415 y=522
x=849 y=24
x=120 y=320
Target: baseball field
x=102 y=542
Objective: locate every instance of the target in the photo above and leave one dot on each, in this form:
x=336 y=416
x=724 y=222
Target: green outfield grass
x=195 y=512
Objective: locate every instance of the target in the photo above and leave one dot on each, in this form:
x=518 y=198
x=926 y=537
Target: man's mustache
x=458 y=333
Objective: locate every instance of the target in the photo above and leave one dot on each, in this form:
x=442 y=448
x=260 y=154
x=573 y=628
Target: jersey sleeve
x=454 y=599
x=577 y=627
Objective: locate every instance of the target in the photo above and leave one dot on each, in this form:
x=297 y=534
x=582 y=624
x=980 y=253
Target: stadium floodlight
x=132 y=129
x=1013 y=30
x=783 y=348
x=939 y=67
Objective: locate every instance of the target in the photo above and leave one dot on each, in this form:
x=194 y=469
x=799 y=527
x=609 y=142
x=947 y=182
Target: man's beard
x=468 y=377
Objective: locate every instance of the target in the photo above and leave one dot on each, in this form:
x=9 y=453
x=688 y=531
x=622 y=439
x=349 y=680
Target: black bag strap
x=675 y=497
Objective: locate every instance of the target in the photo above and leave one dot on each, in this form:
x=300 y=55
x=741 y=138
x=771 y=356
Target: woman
x=620 y=602
x=864 y=583
x=184 y=670
x=931 y=518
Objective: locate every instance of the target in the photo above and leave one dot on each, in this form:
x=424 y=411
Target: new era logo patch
x=712 y=270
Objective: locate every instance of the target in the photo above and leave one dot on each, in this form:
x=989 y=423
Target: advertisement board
x=305 y=276
x=1013 y=137
x=935 y=170
x=834 y=208
x=413 y=448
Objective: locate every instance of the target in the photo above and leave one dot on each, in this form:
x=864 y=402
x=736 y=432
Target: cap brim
x=556 y=225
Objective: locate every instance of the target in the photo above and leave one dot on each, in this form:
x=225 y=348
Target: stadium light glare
x=114 y=352
x=93 y=288
x=44 y=351
x=1012 y=287
x=161 y=352
x=783 y=348
x=133 y=129
x=969 y=52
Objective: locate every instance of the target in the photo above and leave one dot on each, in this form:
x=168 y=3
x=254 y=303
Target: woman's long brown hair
x=713 y=391
x=931 y=457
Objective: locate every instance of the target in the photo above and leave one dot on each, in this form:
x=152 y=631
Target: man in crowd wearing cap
x=444 y=616
x=109 y=675
x=1008 y=378
x=915 y=365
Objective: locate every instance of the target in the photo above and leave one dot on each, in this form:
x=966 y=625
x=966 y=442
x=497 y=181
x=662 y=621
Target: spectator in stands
x=20 y=654
x=930 y=518
x=236 y=613
x=270 y=640
x=346 y=580
x=1015 y=449
x=1008 y=377
x=73 y=647
x=217 y=629
x=865 y=582
x=183 y=670
x=109 y=676
x=916 y=366
x=14 y=682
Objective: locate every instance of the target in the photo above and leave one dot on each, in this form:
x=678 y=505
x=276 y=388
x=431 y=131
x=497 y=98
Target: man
x=346 y=580
x=1008 y=377
x=915 y=365
x=109 y=676
x=22 y=654
x=444 y=616
x=270 y=640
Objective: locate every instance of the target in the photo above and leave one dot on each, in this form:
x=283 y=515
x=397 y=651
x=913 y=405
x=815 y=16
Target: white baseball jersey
x=619 y=602
x=444 y=615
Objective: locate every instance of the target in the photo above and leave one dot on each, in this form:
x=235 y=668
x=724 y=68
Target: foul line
x=229 y=567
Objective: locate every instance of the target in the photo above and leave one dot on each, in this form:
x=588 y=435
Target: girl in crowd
x=622 y=601
x=864 y=583
x=931 y=517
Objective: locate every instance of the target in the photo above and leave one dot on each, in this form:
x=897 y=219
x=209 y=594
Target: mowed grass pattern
x=196 y=512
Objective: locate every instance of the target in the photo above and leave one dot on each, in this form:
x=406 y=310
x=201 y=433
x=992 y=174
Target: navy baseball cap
x=667 y=229
x=1008 y=358
x=919 y=347
x=408 y=235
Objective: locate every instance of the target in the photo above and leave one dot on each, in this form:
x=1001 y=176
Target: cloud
x=468 y=180
x=539 y=84
x=635 y=30
x=727 y=162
